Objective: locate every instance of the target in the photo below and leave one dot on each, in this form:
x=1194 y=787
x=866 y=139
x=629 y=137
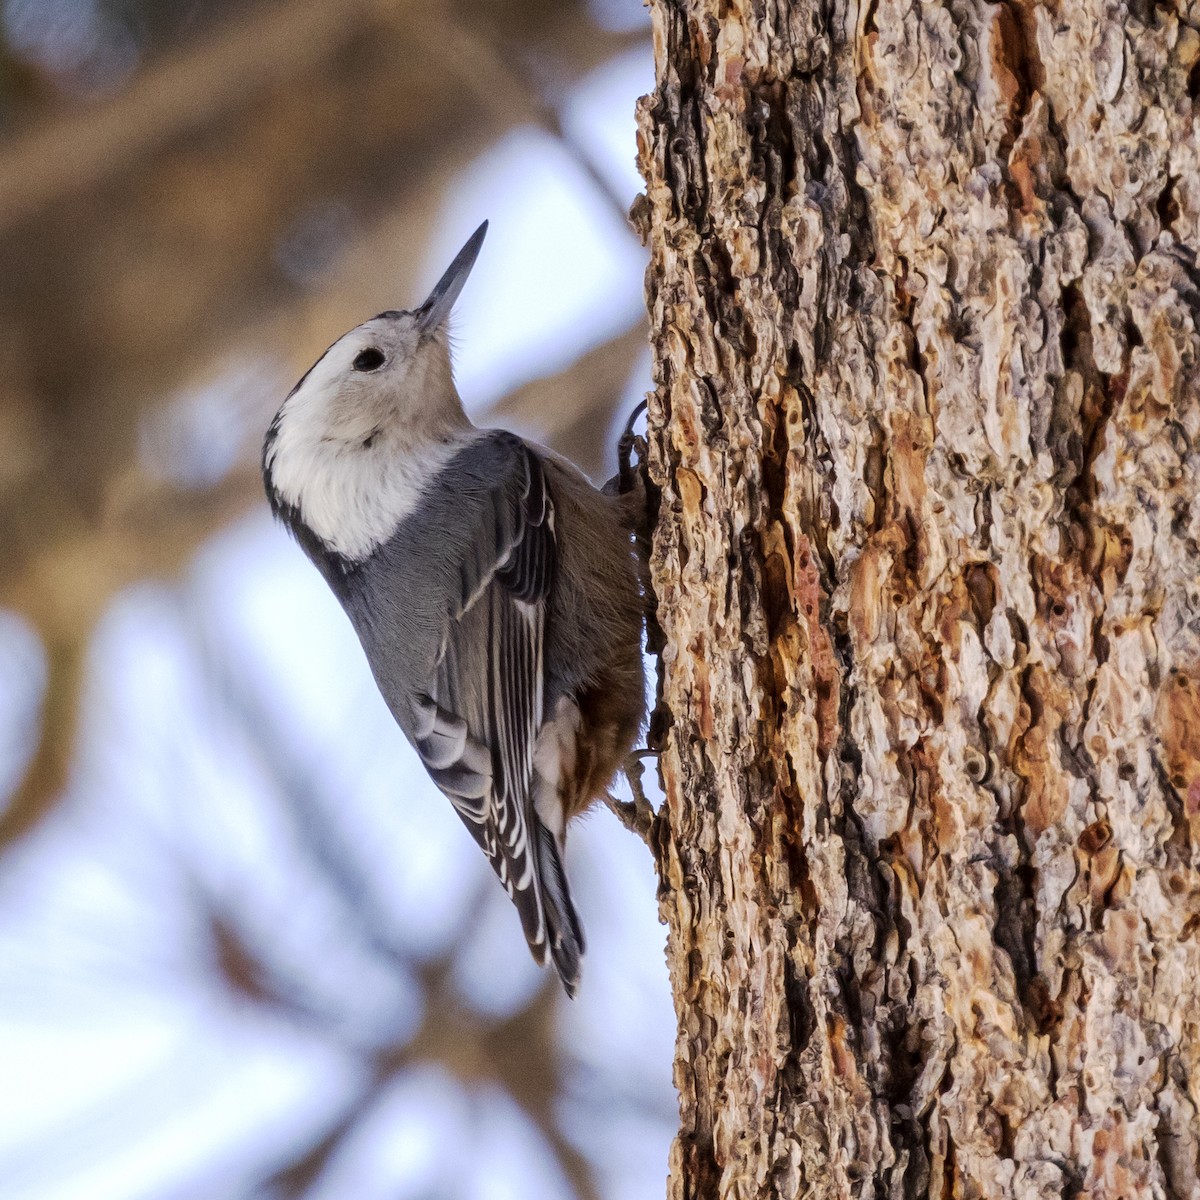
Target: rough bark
x=924 y=302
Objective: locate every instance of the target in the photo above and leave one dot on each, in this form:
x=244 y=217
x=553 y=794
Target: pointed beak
x=433 y=313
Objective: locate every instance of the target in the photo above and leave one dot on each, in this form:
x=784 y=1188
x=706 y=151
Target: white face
x=362 y=432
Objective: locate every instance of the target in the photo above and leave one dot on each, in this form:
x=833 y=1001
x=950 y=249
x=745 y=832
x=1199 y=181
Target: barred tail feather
x=563 y=930
x=531 y=910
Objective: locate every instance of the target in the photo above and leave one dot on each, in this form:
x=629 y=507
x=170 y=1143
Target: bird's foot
x=631 y=459
x=628 y=445
x=637 y=815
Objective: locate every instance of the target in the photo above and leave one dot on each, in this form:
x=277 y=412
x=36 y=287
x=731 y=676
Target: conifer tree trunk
x=924 y=300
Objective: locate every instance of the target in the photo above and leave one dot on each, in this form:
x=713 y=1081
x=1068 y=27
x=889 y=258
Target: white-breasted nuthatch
x=494 y=590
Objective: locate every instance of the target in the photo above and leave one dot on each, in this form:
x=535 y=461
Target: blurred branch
x=295 y=1177
x=527 y=1059
x=63 y=594
x=270 y=46
x=520 y=1055
x=496 y=80
x=46 y=776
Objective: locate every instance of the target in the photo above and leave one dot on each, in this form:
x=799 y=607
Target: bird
x=494 y=589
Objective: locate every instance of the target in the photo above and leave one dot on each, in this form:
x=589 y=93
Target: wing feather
x=478 y=722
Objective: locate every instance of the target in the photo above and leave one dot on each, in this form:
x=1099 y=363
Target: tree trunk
x=924 y=302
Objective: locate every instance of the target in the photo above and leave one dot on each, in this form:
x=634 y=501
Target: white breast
x=355 y=500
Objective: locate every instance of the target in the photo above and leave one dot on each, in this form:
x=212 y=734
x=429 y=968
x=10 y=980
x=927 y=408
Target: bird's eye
x=369 y=359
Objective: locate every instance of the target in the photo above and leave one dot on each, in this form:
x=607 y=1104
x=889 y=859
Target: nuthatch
x=494 y=590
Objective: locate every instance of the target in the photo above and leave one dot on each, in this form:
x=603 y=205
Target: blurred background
x=245 y=949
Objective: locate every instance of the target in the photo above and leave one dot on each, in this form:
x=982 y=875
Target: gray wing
x=477 y=722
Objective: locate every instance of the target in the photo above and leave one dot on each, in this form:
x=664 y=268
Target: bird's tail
x=563 y=932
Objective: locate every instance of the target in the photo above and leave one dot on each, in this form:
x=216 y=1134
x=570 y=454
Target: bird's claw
x=629 y=445
x=637 y=815
x=631 y=460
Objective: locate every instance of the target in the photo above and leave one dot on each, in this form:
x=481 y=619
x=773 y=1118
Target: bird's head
x=345 y=452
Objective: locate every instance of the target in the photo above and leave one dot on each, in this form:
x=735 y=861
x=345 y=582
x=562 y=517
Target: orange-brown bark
x=924 y=299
